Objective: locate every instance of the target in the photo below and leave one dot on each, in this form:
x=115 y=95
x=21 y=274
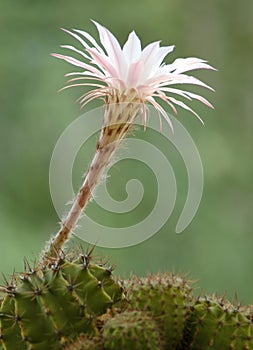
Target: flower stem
x=118 y=118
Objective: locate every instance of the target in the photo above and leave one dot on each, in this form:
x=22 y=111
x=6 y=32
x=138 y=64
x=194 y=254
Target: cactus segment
x=67 y=314
x=50 y=306
x=74 y=304
x=87 y=287
x=28 y=307
x=114 y=290
x=217 y=325
x=83 y=342
x=168 y=299
x=131 y=330
x=10 y=331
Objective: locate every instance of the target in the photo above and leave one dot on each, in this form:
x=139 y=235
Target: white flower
x=110 y=69
x=130 y=74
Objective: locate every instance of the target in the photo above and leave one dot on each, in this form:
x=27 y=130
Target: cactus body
x=218 y=325
x=46 y=307
x=168 y=299
x=10 y=330
x=74 y=304
x=131 y=330
x=83 y=342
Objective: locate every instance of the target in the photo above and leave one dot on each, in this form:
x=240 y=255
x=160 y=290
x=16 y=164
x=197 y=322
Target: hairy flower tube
x=127 y=79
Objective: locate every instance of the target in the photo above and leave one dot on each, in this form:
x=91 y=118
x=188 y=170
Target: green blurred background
x=216 y=249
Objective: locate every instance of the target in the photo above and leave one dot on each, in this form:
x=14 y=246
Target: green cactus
x=132 y=330
x=75 y=304
x=84 y=342
x=168 y=298
x=217 y=324
x=210 y=324
x=47 y=306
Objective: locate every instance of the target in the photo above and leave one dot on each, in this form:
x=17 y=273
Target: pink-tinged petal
x=145 y=90
x=165 y=98
x=153 y=57
x=80 y=84
x=188 y=95
x=88 y=94
x=148 y=57
x=112 y=48
x=91 y=99
x=134 y=73
x=162 y=53
x=86 y=98
x=176 y=91
x=77 y=37
x=172 y=79
x=103 y=62
x=181 y=65
x=85 y=74
x=156 y=65
x=161 y=110
x=130 y=67
x=78 y=63
x=157 y=80
x=115 y=83
x=149 y=52
x=72 y=48
x=90 y=38
x=144 y=115
x=201 y=99
x=183 y=105
x=132 y=48
x=79 y=79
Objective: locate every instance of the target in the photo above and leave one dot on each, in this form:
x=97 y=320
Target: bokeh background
x=216 y=249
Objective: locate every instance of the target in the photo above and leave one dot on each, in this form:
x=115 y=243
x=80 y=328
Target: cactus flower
x=113 y=71
x=128 y=79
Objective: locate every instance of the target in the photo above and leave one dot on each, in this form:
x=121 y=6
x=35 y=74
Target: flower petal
x=134 y=73
x=172 y=79
x=112 y=47
x=150 y=51
x=133 y=68
x=181 y=65
x=90 y=38
x=75 y=50
x=162 y=53
x=78 y=63
x=132 y=48
x=87 y=74
x=77 y=37
x=188 y=95
x=103 y=62
x=161 y=110
x=183 y=105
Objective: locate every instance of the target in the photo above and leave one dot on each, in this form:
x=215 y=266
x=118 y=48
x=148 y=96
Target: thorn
x=27 y=266
x=5 y=280
x=92 y=250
